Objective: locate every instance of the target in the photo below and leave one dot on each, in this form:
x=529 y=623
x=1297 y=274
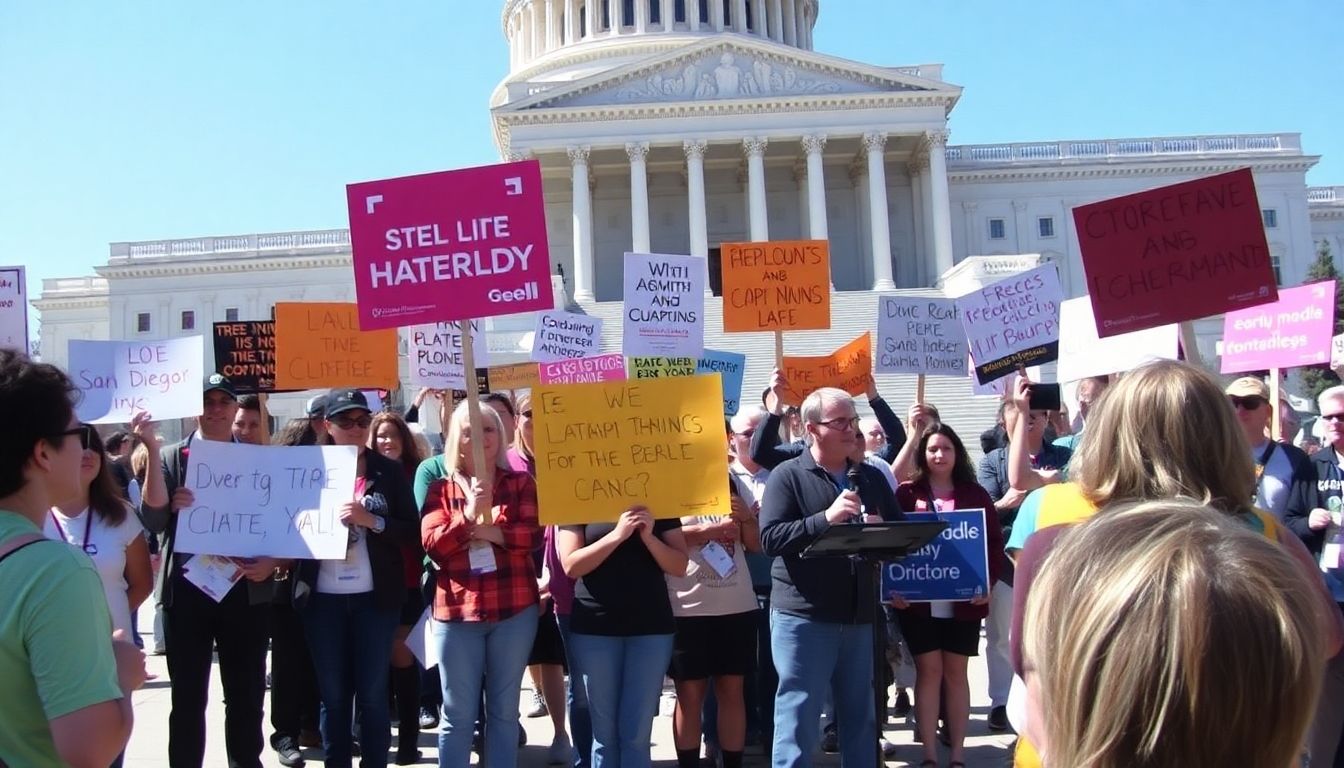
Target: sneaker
x=560 y=751
x=538 y=705
x=429 y=718
x=998 y=719
x=830 y=740
x=902 y=706
x=287 y=750
x=888 y=749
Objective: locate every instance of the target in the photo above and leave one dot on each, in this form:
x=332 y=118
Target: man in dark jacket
x=822 y=609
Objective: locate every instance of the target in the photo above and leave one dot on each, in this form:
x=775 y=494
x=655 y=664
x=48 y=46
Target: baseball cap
x=1248 y=386
x=317 y=407
x=215 y=382
x=342 y=400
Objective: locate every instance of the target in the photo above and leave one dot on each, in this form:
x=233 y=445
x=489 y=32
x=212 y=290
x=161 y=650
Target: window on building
x=627 y=13
x=1271 y=218
x=679 y=11
x=751 y=18
x=1045 y=225
x=1276 y=262
x=704 y=11
x=655 y=11
x=716 y=271
x=188 y=320
x=728 y=15
x=997 y=229
x=606 y=15
x=583 y=21
x=231 y=315
x=142 y=322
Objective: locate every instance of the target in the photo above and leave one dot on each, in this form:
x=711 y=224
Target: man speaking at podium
x=822 y=608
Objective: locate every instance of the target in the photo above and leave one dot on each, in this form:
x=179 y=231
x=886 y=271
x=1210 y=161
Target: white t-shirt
x=702 y=591
x=1271 y=492
x=351 y=576
x=107 y=547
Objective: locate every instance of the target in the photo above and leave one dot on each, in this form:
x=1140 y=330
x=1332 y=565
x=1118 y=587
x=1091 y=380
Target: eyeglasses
x=85 y=433
x=1247 y=403
x=353 y=422
x=1333 y=417
x=851 y=422
x=745 y=433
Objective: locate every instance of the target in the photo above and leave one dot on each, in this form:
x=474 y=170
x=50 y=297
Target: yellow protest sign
x=516 y=376
x=319 y=345
x=602 y=448
x=849 y=368
x=660 y=367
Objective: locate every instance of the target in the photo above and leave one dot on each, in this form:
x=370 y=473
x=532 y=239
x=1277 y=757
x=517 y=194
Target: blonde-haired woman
x=481 y=536
x=1134 y=625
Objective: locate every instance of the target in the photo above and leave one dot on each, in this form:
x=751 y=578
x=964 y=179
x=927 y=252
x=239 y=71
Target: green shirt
x=55 y=643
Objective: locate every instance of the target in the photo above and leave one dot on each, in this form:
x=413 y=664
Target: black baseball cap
x=342 y=400
x=317 y=407
x=216 y=382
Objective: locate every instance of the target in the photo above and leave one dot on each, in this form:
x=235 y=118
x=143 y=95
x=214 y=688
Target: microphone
x=855 y=478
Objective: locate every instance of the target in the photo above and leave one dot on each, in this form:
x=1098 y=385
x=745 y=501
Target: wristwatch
x=379 y=524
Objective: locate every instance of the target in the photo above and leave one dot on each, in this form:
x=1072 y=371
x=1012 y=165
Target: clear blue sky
x=138 y=120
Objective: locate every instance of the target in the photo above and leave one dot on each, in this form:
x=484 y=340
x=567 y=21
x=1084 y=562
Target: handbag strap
x=19 y=542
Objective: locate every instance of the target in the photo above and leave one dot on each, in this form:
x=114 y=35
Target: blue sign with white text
x=731 y=365
x=953 y=566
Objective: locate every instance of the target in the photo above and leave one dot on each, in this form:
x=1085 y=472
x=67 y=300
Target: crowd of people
x=1162 y=571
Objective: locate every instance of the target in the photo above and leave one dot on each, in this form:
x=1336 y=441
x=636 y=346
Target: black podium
x=871 y=545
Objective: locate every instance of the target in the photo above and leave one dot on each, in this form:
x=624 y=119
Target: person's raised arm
x=904 y=465
x=1021 y=477
x=890 y=423
x=767 y=448
x=154 y=509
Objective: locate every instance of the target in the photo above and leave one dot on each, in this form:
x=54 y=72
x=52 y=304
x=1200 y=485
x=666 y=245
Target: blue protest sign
x=731 y=366
x=954 y=566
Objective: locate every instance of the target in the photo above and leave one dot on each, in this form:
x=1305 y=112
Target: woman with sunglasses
x=350 y=607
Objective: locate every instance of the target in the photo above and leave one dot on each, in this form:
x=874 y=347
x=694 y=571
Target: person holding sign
x=769 y=451
x=822 y=610
x=350 y=607
x=943 y=636
x=1284 y=475
x=480 y=528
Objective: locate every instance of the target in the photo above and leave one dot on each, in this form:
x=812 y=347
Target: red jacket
x=914 y=497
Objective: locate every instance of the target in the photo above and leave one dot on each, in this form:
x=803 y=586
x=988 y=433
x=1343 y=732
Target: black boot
x=406 y=682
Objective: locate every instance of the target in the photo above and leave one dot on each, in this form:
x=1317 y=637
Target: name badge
x=718 y=559
x=481 y=556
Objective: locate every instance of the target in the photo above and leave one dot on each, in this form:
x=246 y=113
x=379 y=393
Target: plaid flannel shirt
x=460 y=594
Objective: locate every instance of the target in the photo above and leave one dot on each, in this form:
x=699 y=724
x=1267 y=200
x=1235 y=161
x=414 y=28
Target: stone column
x=583 y=224
x=552 y=25
x=875 y=144
x=758 y=15
x=639 y=196
x=669 y=14
x=695 y=187
x=756 y=202
x=800 y=179
x=790 y=23
x=593 y=12
x=740 y=16
x=693 y=15
x=642 y=11
x=571 y=35
x=917 y=215
x=716 y=14
x=816 y=187
x=536 y=30
x=939 y=202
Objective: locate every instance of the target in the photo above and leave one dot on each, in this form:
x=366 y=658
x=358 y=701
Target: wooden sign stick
x=1190 y=344
x=779 y=350
x=1274 y=375
x=484 y=473
x=919 y=389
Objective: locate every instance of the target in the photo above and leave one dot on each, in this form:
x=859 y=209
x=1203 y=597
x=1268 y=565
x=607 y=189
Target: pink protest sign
x=1294 y=331
x=584 y=370
x=455 y=245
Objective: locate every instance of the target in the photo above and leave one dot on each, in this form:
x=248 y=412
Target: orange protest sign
x=319 y=345
x=849 y=368
x=776 y=286
x=515 y=376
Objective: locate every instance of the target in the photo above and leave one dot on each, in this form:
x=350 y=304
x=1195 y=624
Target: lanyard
x=90 y=549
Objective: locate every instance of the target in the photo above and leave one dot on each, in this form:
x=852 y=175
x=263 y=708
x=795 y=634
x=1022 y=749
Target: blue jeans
x=580 y=721
x=812 y=657
x=468 y=651
x=623 y=677
x=350 y=638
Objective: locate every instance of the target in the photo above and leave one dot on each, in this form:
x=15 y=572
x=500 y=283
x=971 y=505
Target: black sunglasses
x=1247 y=403
x=85 y=433
x=352 y=422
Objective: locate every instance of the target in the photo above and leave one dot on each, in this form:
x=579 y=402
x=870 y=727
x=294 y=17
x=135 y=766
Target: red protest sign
x=1175 y=253
x=455 y=245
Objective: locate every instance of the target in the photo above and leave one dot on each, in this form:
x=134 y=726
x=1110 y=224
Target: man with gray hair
x=822 y=609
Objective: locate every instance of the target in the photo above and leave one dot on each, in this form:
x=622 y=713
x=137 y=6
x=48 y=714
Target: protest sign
x=1293 y=331
x=1337 y=352
x=776 y=286
x=731 y=367
x=661 y=367
x=1013 y=322
x=954 y=566
x=454 y=245
x=515 y=376
x=267 y=500
x=664 y=306
x=849 y=368
x=561 y=335
x=245 y=353
x=602 y=448
x=586 y=370
x=919 y=335
x=436 y=354
x=1175 y=253
x=1082 y=353
x=998 y=387
x=13 y=309
x=122 y=378
x=320 y=346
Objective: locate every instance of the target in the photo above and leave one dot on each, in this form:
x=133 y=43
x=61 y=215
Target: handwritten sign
x=1013 y=322
x=319 y=346
x=664 y=312
x=602 y=448
x=999 y=387
x=122 y=378
x=585 y=370
x=267 y=500
x=1293 y=331
x=1082 y=353
x=515 y=376
x=13 y=309
x=245 y=353
x=1175 y=253
x=661 y=367
x=849 y=368
x=561 y=335
x=454 y=245
x=919 y=335
x=776 y=286
x=731 y=367
x=436 y=354
x=954 y=566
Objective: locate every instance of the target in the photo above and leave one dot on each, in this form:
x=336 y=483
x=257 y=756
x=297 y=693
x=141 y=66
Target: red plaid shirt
x=461 y=595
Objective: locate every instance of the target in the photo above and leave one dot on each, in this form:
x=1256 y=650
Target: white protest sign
x=1013 y=322
x=919 y=335
x=1083 y=354
x=436 y=354
x=664 y=306
x=563 y=335
x=267 y=500
x=122 y=378
x=13 y=309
